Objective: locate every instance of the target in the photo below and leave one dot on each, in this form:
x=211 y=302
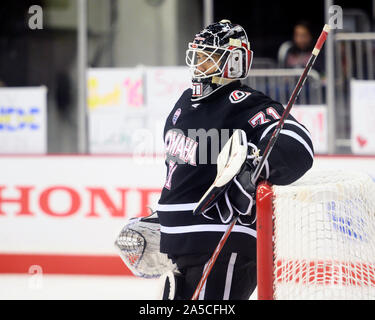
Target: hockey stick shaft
x=212 y=260
x=255 y=176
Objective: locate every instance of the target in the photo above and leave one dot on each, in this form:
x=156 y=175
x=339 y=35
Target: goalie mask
x=219 y=54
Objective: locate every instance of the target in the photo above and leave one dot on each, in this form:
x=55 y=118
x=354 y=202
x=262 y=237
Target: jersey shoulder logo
x=176 y=115
x=237 y=96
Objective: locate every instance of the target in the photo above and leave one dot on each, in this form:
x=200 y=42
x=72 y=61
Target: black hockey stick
x=318 y=46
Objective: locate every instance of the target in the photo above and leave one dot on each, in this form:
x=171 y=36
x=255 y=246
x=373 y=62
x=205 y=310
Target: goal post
x=316 y=237
x=264 y=198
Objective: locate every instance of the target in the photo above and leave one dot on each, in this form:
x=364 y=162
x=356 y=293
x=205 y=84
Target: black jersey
x=194 y=134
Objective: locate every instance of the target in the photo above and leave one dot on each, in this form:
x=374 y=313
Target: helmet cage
x=207 y=53
x=233 y=63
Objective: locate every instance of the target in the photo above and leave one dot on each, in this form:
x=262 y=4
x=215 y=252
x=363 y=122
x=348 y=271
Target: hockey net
x=316 y=237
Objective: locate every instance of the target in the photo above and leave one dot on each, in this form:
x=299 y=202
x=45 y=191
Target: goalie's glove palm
x=238 y=198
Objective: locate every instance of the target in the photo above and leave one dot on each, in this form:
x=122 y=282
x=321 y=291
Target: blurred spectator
x=296 y=53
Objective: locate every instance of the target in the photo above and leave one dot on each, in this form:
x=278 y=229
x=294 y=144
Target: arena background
x=85 y=86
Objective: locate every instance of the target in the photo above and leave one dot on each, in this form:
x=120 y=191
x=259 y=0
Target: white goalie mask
x=218 y=55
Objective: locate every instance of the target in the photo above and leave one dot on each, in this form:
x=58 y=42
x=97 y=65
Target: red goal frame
x=264 y=225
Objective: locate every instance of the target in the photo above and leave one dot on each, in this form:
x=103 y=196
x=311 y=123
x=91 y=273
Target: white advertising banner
x=364 y=164
x=164 y=86
x=314 y=118
x=23 y=120
x=73 y=204
x=362 y=110
x=115 y=107
x=63 y=213
x=128 y=107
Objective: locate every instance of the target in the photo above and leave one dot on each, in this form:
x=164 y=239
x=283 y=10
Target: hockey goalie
x=180 y=237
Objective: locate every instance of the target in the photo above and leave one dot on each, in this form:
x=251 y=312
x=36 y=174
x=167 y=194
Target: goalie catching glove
x=139 y=247
x=233 y=193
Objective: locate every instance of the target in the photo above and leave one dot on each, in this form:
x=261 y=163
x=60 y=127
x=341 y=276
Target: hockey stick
x=318 y=46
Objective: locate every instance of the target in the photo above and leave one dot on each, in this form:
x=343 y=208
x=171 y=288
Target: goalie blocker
x=233 y=193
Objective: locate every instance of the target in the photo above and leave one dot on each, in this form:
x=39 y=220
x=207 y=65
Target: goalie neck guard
x=219 y=54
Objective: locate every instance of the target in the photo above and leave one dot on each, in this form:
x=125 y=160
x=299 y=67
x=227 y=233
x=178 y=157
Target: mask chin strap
x=221 y=80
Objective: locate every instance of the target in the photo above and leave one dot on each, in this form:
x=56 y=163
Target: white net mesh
x=324 y=237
